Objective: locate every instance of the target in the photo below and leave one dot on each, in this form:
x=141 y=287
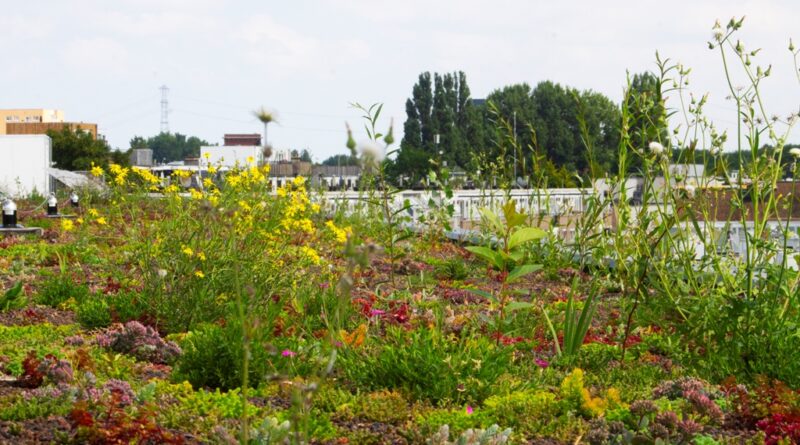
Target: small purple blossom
x=542 y=363
x=142 y=342
x=74 y=340
x=120 y=390
x=376 y=313
x=288 y=353
x=56 y=370
x=469 y=410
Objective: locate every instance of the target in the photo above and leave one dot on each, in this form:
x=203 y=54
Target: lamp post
x=74 y=199
x=52 y=205
x=9 y=214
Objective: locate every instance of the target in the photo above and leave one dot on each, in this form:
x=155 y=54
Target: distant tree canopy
x=77 y=150
x=170 y=146
x=439 y=105
x=341 y=160
x=550 y=121
x=557 y=122
x=304 y=155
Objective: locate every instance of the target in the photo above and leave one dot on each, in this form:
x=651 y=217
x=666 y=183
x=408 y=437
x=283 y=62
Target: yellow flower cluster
x=311 y=254
x=573 y=390
x=247 y=177
x=182 y=174
x=295 y=214
x=67 y=225
x=338 y=233
x=97 y=170
x=120 y=173
x=147 y=176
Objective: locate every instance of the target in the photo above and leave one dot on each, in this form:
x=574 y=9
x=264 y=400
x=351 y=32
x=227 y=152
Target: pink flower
x=288 y=353
x=376 y=313
x=469 y=410
x=542 y=363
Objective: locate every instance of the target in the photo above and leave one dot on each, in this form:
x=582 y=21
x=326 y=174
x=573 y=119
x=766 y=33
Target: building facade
x=29 y=115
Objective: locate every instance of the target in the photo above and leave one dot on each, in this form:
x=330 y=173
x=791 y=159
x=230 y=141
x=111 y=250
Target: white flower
x=656 y=148
x=371 y=150
x=795 y=152
x=714 y=151
x=690 y=189
x=162 y=273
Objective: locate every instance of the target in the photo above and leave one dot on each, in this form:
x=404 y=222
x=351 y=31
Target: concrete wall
x=24 y=160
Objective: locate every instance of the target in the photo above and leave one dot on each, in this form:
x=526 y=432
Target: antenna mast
x=164 y=109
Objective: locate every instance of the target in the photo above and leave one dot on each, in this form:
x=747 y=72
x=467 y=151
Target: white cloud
x=96 y=54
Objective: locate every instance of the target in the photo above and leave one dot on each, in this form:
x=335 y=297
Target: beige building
x=30 y=115
x=44 y=127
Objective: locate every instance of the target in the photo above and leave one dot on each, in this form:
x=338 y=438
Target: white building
x=24 y=164
x=228 y=156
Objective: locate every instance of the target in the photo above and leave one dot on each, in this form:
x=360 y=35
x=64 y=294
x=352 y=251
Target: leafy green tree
x=341 y=160
x=440 y=105
x=77 y=150
x=170 y=146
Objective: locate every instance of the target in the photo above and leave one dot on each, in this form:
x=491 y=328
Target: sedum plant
x=490 y=436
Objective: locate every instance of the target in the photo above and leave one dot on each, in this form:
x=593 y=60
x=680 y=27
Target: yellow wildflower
x=101 y=221
x=207 y=155
x=67 y=225
x=97 y=170
x=199 y=274
x=187 y=250
x=250 y=160
x=196 y=194
x=79 y=220
x=212 y=169
x=94 y=213
x=201 y=256
x=311 y=254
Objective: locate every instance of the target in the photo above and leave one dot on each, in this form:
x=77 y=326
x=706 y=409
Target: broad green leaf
x=483 y=294
x=516 y=256
x=525 y=235
x=521 y=271
x=492 y=219
x=488 y=255
x=517 y=305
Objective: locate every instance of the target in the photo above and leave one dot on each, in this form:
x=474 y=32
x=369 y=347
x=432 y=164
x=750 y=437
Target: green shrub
x=458 y=420
x=13 y=298
x=57 y=290
x=428 y=365
x=94 y=313
x=212 y=357
x=451 y=269
x=126 y=306
x=383 y=406
x=527 y=412
x=21 y=408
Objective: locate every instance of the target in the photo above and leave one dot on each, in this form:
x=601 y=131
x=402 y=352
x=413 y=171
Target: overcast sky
x=104 y=61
